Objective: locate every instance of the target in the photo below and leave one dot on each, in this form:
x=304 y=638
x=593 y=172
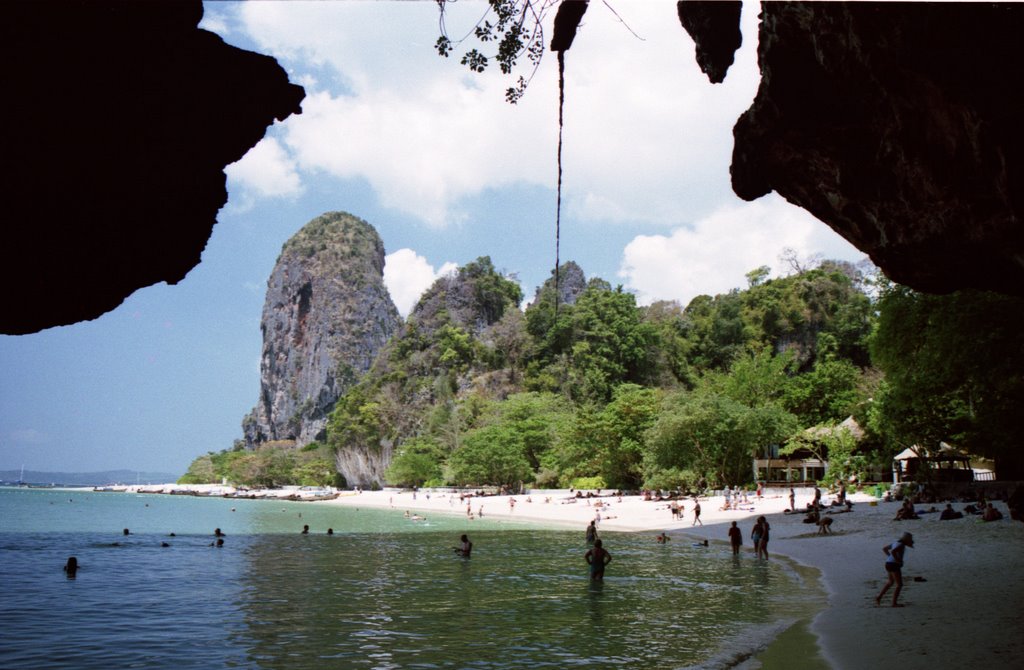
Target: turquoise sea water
x=382 y=592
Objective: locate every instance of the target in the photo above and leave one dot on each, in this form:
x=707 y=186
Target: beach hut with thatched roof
x=945 y=464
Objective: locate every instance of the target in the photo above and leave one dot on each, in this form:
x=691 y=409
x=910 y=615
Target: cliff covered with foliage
x=596 y=389
x=593 y=390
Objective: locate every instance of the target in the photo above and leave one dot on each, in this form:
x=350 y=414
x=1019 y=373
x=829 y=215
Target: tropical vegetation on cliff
x=592 y=390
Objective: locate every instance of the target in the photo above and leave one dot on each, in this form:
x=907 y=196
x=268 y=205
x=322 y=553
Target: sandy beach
x=962 y=588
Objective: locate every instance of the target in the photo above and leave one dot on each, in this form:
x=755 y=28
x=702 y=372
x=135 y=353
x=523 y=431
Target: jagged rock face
x=449 y=299
x=465 y=298
x=363 y=467
x=572 y=282
x=327 y=314
x=898 y=125
x=118 y=122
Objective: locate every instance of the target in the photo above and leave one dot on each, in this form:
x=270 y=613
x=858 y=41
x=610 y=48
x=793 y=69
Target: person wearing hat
x=894 y=567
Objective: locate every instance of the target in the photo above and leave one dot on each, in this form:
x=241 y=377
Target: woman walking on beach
x=894 y=567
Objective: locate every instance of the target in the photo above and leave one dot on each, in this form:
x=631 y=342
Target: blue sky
x=446 y=171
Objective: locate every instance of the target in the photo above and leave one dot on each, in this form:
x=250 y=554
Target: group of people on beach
x=986 y=510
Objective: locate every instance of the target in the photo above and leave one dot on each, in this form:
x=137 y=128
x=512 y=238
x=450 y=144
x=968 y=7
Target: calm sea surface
x=382 y=592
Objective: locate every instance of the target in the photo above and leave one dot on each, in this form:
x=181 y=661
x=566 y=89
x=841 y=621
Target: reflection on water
x=523 y=599
x=380 y=593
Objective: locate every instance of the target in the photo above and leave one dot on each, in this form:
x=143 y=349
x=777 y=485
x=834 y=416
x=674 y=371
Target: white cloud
x=407 y=275
x=266 y=170
x=714 y=254
x=647 y=137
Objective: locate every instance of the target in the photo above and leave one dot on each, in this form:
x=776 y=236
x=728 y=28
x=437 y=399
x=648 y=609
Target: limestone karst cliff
x=572 y=281
x=327 y=314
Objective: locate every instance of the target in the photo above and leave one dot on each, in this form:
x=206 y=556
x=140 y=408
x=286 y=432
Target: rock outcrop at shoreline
x=327 y=314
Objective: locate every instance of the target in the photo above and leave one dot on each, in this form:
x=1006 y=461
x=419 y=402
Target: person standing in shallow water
x=735 y=538
x=71 y=567
x=591 y=533
x=761 y=547
x=465 y=546
x=597 y=557
x=894 y=567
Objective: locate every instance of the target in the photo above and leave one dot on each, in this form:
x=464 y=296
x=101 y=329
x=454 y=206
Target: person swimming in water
x=71 y=567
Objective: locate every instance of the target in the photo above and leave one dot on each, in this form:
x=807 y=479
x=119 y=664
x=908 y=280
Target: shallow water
x=382 y=592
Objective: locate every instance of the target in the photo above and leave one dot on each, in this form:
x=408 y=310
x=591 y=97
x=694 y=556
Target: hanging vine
x=516 y=26
x=567 y=20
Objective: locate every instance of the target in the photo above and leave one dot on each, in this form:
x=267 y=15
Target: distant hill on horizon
x=104 y=478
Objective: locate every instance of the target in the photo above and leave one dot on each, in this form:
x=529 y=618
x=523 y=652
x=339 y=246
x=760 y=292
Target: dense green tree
x=669 y=350
x=550 y=324
x=718 y=330
x=456 y=348
x=611 y=344
x=510 y=345
x=952 y=371
x=755 y=379
x=356 y=419
x=698 y=431
x=200 y=471
x=492 y=293
x=830 y=391
x=619 y=434
x=493 y=454
x=540 y=420
x=417 y=461
x=473 y=390
x=713 y=436
x=578 y=454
